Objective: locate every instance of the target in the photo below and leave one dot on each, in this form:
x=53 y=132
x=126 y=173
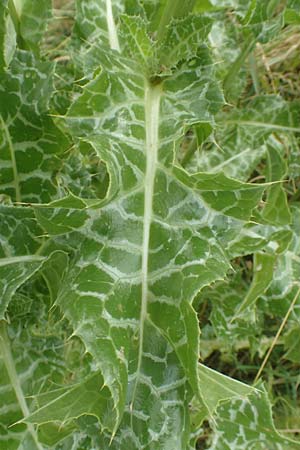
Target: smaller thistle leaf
x=14 y=271
x=89 y=397
x=58 y=221
x=259 y=12
x=33 y=18
x=95 y=33
x=37 y=355
x=53 y=270
x=263 y=114
x=286 y=275
x=248 y=423
x=204 y=6
x=292 y=344
x=216 y=388
x=225 y=388
x=276 y=210
x=20 y=233
x=183 y=39
x=262 y=19
x=256 y=236
x=225 y=298
x=29 y=363
x=242 y=136
x=30 y=143
x=292 y=13
x=8 y=37
x=31 y=79
x=51 y=434
x=135 y=42
x=228 y=196
x=263 y=268
x=20 y=240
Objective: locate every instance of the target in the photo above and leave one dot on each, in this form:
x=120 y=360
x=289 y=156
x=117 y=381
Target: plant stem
x=173 y=9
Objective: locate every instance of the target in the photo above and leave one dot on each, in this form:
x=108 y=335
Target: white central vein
x=111 y=27
x=14 y=379
x=152 y=103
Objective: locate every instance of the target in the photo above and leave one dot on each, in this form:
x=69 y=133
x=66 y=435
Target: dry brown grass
x=278 y=63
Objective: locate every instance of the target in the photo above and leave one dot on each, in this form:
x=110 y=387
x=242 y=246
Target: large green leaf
x=159 y=236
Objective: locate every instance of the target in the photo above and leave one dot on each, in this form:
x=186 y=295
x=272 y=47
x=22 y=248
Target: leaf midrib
x=111 y=26
x=152 y=106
